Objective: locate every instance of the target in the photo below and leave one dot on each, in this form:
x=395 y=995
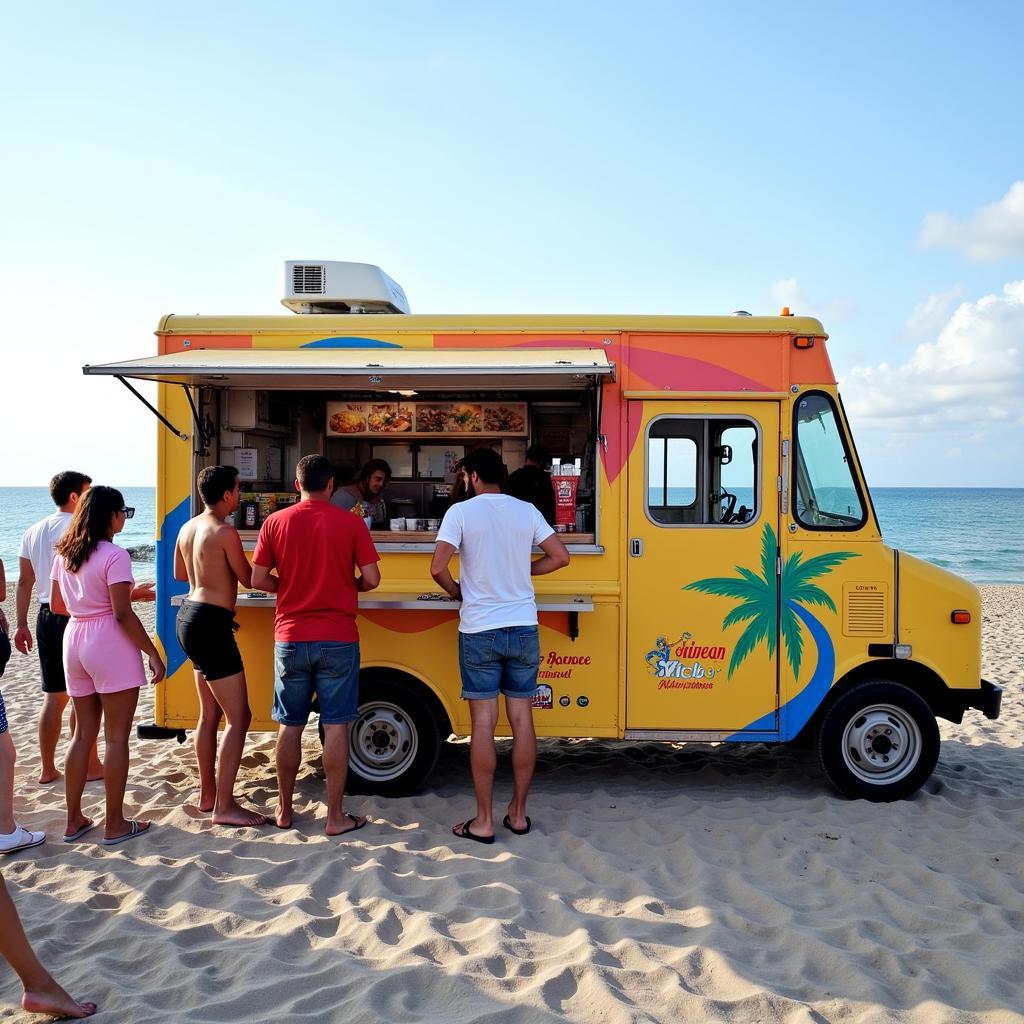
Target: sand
x=661 y=883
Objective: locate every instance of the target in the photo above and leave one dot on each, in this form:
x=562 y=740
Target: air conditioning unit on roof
x=330 y=286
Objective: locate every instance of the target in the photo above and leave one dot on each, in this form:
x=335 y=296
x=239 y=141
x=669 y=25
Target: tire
x=879 y=741
x=395 y=742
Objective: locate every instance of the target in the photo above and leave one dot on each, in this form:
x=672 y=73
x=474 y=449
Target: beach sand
x=696 y=883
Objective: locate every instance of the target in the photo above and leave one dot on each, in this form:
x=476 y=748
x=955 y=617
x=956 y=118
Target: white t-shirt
x=494 y=535
x=37 y=546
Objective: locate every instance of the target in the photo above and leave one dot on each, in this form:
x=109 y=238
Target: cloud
x=929 y=317
x=970 y=378
x=787 y=292
x=994 y=232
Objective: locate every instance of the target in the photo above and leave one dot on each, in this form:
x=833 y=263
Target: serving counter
x=374 y=600
x=424 y=540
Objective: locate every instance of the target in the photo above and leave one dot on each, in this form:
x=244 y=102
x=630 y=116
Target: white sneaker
x=20 y=839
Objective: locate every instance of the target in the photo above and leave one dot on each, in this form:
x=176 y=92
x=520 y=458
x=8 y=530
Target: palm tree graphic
x=761 y=604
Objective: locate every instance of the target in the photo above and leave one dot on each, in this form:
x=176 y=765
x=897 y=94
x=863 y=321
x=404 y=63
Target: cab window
x=701 y=471
x=825 y=491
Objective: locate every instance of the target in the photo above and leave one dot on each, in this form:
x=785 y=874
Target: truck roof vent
x=741 y=312
x=330 y=286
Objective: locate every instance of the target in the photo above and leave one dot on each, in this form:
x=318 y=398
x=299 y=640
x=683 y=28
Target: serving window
x=421 y=437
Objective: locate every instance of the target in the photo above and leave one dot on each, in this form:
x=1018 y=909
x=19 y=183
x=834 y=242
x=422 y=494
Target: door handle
x=636 y=547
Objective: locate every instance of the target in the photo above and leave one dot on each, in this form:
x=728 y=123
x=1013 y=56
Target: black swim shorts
x=50 y=644
x=206 y=633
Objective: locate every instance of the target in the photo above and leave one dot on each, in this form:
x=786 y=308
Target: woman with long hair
x=92 y=582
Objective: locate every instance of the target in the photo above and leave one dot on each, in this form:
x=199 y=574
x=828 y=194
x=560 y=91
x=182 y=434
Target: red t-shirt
x=315 y=547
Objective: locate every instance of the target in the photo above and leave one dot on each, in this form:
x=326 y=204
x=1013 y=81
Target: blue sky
x=854 y=162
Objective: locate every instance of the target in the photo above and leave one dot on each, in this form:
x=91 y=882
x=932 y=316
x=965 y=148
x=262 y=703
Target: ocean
x=977 y=533
x=20 y=507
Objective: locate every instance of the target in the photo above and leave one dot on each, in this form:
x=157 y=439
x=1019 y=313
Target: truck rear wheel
x=395 y=741
x=878 y=742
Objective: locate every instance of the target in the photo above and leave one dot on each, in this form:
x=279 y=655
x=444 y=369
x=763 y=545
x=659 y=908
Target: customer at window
x=37 y=544
x=92 y=582
x=316 y=549
x=499 y=646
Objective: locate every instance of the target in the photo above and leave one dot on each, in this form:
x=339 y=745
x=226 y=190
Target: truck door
x=702 y=578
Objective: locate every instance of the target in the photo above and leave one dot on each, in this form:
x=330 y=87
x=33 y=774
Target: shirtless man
x=209 y=555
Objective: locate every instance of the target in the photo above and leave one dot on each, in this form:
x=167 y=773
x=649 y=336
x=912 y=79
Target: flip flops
x=75 y=836
x=134 y=832
x=466 y=834
x=517 y=831
x=20 y=839
x=356 y=825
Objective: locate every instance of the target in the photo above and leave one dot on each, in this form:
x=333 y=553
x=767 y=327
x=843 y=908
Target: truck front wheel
x=879 y=741
x=395 y=741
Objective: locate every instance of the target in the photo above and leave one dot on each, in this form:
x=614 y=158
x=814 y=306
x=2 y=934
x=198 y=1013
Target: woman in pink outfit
x=92 y=580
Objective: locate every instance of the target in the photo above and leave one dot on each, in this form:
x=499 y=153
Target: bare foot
x=94 y=773
x=236 y=815
x=283 y=818
x=48 y=775
x=351 y=822
x=56 y=1002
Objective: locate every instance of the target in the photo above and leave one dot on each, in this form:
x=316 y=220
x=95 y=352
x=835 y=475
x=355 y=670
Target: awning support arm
x=156 y=412
x=203 y=432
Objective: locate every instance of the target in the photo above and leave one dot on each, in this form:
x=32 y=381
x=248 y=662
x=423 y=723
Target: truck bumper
x=987 y=699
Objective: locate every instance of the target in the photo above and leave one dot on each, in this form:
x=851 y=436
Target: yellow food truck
x=729 y=581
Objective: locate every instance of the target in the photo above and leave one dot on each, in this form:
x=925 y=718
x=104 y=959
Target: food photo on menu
x=505 y=419
x=466 y=419
x=432 y=419
x=346 y=418
x=389 y=418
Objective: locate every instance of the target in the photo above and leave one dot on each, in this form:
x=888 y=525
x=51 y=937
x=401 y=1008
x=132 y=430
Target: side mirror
x=723 y=453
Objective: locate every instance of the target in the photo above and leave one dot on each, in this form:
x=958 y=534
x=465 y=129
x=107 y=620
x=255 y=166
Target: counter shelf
x=430 y=602
x=423 y=540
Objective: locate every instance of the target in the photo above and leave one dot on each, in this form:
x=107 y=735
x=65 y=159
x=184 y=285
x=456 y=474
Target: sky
x=860 y=163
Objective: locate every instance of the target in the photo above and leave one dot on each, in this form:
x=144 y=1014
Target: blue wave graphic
x=350 y=342
x=167 y=586
x=795 y=713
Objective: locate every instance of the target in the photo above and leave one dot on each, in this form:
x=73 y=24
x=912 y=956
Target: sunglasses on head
x=128 y=512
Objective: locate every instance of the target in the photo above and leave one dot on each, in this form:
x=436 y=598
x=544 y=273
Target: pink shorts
x=99 y=658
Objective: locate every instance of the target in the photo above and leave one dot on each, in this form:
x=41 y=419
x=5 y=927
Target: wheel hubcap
x=882 y=744
x=383 y=741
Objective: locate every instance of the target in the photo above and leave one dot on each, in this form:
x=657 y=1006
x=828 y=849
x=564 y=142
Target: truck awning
x=369 y=369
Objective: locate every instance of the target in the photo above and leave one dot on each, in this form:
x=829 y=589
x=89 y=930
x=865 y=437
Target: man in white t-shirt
x=499 y=647
x=36 y=559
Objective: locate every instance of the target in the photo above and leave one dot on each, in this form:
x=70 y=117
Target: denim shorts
x=329 y=669
x=497 y=661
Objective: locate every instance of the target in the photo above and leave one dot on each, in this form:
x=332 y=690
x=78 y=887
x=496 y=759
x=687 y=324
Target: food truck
x=728 y=582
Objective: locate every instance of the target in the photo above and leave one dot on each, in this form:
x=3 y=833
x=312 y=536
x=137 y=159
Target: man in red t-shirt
x=315 y=548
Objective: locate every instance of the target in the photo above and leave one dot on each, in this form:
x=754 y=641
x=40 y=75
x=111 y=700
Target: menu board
x=347 y=418
x=362 y=419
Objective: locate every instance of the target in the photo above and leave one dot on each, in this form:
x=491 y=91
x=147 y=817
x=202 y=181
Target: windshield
x=826 y=493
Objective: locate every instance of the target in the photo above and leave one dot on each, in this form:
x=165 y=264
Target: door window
x=701 y=471
x=825 y=489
